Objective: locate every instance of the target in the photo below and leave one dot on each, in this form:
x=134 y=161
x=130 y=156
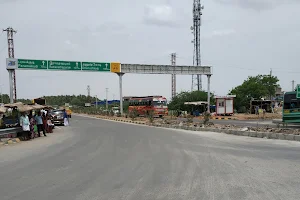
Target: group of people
x=32 y=124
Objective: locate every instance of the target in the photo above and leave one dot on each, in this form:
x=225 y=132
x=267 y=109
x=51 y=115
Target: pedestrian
x=66 y=120
x=39 y=123
x=25 y=124
x=45 y=122
x=49 y=124
x=32 y=123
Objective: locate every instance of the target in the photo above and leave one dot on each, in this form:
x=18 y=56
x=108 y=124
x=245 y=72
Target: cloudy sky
x=239 y=38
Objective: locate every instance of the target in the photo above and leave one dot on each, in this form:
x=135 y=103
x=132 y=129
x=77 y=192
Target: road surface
x=96 y=159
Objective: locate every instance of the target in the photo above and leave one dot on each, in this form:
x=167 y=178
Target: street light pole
x=96 y=102
x=1 y=94
x=106 y=99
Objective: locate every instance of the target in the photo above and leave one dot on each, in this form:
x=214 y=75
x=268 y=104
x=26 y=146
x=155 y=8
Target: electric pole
x=88 y=91
x=1 y=94
x=197 y=13
x=96 y=102
x=106 y=89
x=12 y=73
x=173 y=63
x=293 y=85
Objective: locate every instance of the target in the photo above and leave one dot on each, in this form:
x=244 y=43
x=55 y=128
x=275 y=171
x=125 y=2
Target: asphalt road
x=96 y=159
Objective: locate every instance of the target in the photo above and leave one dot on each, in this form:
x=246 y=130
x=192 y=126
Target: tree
x=177 y=102
x=76 y=102
x=254 y=87
x=4 y=98
x=60 y=100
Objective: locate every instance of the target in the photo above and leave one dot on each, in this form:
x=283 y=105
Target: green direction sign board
x=94 y=66
x=64 y=65
x=298 y=91
x=32 y=64
x=12 y=63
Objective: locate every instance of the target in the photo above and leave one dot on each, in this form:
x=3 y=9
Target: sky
x=239 y=38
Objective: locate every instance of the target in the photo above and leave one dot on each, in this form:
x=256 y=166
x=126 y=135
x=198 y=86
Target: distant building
x=279 y=93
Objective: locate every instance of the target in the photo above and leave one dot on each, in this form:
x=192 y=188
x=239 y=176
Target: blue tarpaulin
x=104 y=102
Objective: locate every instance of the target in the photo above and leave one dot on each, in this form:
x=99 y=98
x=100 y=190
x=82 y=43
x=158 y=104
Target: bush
x=133 y=114
x=206 y=118
x=150 y=116
x=190 y=119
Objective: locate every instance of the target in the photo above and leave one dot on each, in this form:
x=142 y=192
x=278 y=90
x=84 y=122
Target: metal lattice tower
x=11 y=54
x=173 y=63
x=197 y=13
x=88 y=91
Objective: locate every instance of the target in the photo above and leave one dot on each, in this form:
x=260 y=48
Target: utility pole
x=173 y=63
x=1 y=94
x=12 y=73
x=106 y=89
x=88 y=88
x=96 y=102
x=293 y=85
x=197 y=13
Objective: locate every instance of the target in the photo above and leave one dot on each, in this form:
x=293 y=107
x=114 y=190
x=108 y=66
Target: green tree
x=177 y=103
x=76 y=102
x=4 y=98
x=254 y=87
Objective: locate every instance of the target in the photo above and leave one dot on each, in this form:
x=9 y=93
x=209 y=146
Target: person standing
x=32 y=123
x=25 y=124
x=66 y=120
x=40 y=124
x=45 y=122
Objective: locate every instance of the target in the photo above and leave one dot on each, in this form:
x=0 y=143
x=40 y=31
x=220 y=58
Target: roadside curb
x=223 y=118
x=8 y=141
x=268 y=135
x=121 y=120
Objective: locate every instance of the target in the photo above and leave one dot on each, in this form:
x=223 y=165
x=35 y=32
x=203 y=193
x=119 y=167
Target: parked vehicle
x=57 y=117
x=144 y=105
x=291 y=108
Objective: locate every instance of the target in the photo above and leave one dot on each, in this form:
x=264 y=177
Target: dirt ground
x=235 y=116
x=253 y=116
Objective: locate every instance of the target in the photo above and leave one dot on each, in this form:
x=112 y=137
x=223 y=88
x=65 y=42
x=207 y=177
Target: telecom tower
x=11 y=54
x=197 y=13
x=88 y=88
x=173 y=63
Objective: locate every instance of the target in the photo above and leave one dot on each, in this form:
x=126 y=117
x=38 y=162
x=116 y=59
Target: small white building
x=224 y=105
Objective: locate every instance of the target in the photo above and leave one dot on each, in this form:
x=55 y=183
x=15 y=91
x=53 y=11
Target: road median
x=295 y=136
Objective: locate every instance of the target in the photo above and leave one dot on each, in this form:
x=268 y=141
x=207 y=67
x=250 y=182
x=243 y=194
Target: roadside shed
x=197 y=107
x=224 y=105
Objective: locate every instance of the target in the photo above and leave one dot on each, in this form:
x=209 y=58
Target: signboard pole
x=121 y=93
x=11 y=86
x=298 y=91
x=208 y=93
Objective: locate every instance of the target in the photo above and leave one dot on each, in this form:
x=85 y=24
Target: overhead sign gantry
x=115 y=67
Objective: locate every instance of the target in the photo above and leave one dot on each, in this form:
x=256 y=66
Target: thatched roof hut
x=3 y=109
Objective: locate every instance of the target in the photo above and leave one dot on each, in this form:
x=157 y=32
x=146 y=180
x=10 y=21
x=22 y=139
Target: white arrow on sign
x=43 y=62
x=106 y=66
x=77 y=64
